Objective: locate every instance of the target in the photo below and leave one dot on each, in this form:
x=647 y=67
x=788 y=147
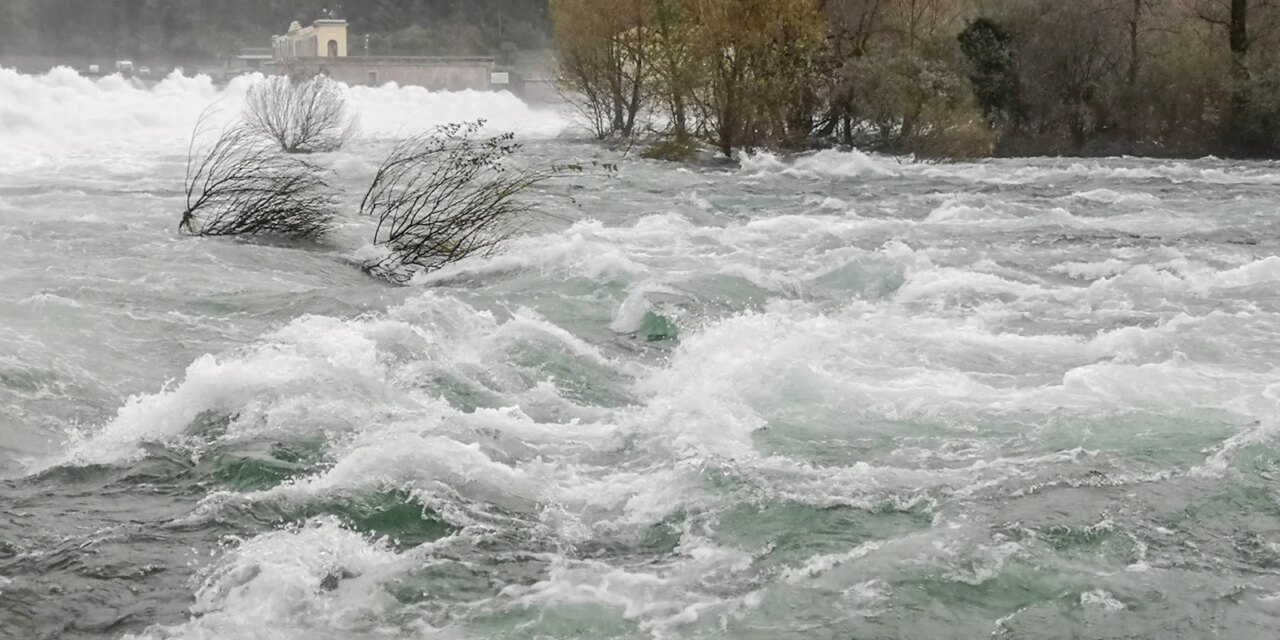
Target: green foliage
x=435 y=40
x=1258 y=121
x=202 y=28
x=738 y=73
x=606 y=60
x=988 y=48
x=915 y=103
x=761 y=58
x=673 y=148
x=953 y=78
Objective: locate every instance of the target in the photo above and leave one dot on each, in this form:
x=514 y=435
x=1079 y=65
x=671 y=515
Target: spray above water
x=60 y=116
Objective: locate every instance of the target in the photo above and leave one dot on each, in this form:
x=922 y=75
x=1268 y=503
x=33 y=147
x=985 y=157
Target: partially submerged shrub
x=444 y=196
x=240 y=185
x=673 y=149
x=302 y=115
x=438 y=197
x=955 y=135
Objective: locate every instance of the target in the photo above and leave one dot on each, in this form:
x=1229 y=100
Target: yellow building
x=323 y=39
x=322 y=49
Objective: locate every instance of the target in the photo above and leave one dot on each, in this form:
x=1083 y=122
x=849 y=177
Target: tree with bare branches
x=302 y=115
x=240 y=185
x=447 y=195
x=605 y=60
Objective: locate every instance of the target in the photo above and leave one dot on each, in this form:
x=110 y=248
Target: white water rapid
x=832 y=395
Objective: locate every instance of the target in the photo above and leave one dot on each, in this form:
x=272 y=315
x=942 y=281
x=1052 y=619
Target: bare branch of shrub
x=447 y=195
x=241 y=186
x=302 y=115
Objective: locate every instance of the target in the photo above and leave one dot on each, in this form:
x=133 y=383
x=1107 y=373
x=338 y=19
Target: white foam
x=952 y=366
x=828 y=163
x=632 y=311
x=309 y=352
x=953 y=211
x=1039 y=171
x=1110 y=196
x=820 y=564
x=1092 y=270
x=61 y=117
x=661 y=598
x=300 y=582
x=1101 y=599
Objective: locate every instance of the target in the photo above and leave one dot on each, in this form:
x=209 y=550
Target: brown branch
x=240 y=186
x=447 y=195
x=301 y=115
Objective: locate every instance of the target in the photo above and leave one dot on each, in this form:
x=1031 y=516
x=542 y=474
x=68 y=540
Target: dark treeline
x=946 y=78
x=188 y=29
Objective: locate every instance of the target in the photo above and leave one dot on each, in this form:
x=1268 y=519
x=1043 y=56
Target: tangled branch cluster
x=306 y=115
x=444 y=196
x=241 y=186
x=438 y=197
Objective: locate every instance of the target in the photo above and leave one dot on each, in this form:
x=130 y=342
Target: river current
x=830 y=395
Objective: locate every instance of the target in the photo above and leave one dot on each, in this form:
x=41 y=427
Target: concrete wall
x=538 y=72
x=540 y=91
x=435 y=74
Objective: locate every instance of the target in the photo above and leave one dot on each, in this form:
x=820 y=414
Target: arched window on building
x=333 y=48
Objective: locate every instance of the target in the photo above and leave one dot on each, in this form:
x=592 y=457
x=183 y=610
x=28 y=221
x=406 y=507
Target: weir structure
x=322 y=48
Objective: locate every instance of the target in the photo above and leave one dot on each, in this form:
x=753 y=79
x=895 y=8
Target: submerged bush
x=240 y=185
x=444 y=196
x=437 y=198
x=306 y=115
x=672 y=149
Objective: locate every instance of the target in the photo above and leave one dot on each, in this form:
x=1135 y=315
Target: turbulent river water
x=822 y=396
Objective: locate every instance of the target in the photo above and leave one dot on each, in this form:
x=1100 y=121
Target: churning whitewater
x=825 y=396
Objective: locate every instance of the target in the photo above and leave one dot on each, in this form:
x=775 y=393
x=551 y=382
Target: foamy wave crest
x=1111 y=196
x=1179 y=276
x=313 y=577
x=59 y=114
x=823 y=164
x=46 y=118
x=393 y=111
x=268 y=385
x=321 y=375
x=1208 y=171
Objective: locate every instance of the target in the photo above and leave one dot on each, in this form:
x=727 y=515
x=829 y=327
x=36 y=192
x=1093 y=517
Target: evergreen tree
x=988 y=48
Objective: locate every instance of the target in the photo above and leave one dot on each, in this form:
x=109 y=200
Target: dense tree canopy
x=935 y=77
x=196 y=28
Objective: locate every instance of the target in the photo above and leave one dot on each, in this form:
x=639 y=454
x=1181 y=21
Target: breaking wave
x=46 y=118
